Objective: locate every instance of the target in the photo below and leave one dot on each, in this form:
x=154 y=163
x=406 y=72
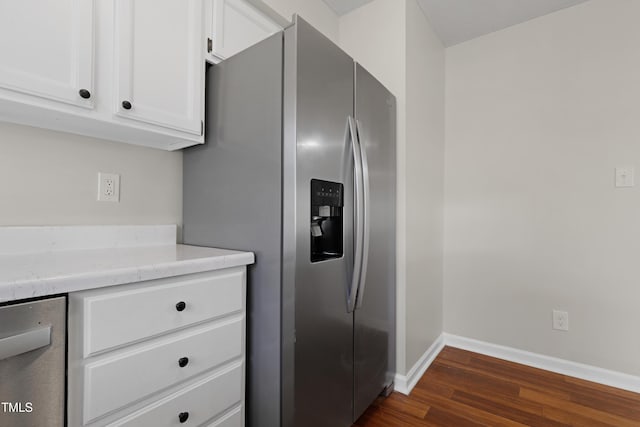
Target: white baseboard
x=548 y=363
x=404 y=384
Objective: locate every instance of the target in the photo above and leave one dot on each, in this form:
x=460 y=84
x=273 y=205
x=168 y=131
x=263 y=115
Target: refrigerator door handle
x=358 y=214
x=366 y=229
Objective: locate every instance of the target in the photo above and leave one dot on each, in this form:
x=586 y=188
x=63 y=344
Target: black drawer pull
x=181 y=306
x=183 y=417
x=126 y=105
x=85 y=94
x=183 y=361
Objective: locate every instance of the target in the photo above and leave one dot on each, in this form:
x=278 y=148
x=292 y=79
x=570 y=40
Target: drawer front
x=108 y=382
x=112 y=319
x=232 y=419
x=201 y=401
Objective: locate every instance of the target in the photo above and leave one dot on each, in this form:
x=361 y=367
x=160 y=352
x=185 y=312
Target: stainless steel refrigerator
x=299 y=167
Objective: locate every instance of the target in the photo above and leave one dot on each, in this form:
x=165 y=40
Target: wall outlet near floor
x=108 y=187
x=560 y=320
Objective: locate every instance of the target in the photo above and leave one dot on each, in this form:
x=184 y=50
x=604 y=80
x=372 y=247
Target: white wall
x=425 y=88
x=393 y=40
x=538 y=117
x=50 y=178
x=316 y=12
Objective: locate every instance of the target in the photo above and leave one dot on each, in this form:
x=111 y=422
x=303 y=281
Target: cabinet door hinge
x=201 y=127
x=209 y=45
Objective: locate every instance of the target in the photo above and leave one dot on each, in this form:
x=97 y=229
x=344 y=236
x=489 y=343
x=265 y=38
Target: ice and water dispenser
x=327 y=202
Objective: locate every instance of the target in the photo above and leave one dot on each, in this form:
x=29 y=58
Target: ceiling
x=345 y=6
x=456 y=21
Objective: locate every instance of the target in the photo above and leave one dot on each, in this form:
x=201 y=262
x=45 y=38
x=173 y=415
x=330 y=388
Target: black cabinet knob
x=84 y=93
x=126 y=105
x=183 y=417
x=181 y=306
x=183 y=361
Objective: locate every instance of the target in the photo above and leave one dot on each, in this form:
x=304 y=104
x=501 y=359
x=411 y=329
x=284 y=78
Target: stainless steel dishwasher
x=32 y=363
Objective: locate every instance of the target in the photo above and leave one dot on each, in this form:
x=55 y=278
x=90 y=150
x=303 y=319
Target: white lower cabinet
x=232 y=419
x=167 y=352
x=193 y=405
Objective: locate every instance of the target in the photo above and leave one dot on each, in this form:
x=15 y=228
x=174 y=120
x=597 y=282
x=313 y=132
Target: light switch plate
x=625 y=177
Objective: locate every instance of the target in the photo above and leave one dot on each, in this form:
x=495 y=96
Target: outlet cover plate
x=625 y=177
x=108 y=187
x=560 y=320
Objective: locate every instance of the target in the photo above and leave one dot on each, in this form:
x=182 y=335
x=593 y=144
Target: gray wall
x=538 y=117
x=50 y=178
x=424 y=183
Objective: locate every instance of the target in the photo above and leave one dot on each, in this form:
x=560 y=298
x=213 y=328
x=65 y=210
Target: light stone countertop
x=68 y=268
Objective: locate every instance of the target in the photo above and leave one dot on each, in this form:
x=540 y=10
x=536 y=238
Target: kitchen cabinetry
x=47 y=49
x=161 y=352
x=234 y=25
x=159 y=63
x=136 y=66
x=124 y=70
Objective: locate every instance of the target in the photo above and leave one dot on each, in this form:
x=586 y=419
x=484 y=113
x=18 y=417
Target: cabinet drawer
x=114 y=318
x=232 y=419
x=201 y=401
x=108 y=381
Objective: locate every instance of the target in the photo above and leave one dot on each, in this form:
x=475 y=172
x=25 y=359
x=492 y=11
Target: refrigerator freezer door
x=232 y=199
x=323 y=377
x=374 y=319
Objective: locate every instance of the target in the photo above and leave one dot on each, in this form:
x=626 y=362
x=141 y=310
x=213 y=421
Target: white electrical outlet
x=108 y=187
x=560 y=320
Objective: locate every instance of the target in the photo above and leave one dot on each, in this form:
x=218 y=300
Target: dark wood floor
x=464 y=389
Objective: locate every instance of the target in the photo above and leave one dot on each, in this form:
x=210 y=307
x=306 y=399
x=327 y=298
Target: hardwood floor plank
x=605 y=402
x=462 y=379
x=386 y=417
x=441 y=417
x=572 y=419
x=462 y=388
x=455 y=355
x=515 y=411
x=428 y=384
x=407 y=405
x=468 y=412
x=601 y=388
x=577 y=409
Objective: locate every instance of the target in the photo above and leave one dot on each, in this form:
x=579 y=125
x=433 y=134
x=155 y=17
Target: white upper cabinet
x=125 y=70
x=234 y=26
x=159 y=62
x=47 y=49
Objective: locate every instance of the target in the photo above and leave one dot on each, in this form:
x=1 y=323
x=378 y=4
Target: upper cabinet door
x=236 y=26
x=160 y=63
x=47 y=49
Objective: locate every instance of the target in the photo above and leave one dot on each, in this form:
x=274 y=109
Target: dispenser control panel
x=326 y=193
x=326 y=222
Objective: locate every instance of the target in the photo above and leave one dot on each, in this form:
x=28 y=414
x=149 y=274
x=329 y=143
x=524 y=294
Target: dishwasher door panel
x=32 y=363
